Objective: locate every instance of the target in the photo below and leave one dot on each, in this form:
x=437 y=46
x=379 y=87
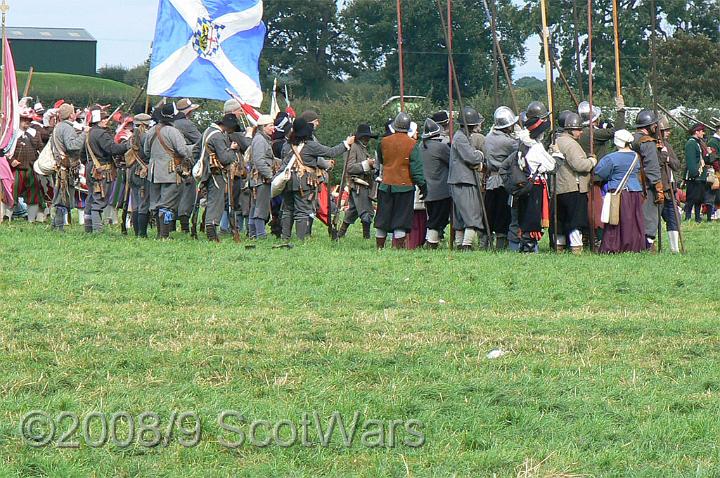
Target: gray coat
x=71 y=141
x=499 y=146
x=261 y=158
x=190 y=132
x=463 y=156
x=436 y=158
x=357 y=165
x=162 y=166
x=649 y=156
x=313 y=156
x=219 y=143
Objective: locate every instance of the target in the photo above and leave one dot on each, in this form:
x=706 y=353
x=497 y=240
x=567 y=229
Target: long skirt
x=419 y=229
x=28 y=187
x=629 y=234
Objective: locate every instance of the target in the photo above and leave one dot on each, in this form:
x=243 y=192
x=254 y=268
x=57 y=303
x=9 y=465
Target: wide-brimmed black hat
x=167 y=113
x=230 y=121
x=364 y=131
x=301 y=129
x=441 y=117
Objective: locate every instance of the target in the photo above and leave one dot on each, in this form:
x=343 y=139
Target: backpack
x=515 y=180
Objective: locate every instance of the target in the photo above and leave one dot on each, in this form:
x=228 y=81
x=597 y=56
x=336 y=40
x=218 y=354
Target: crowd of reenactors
x=584 y=181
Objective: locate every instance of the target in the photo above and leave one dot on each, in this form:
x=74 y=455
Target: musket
x=673 y=199
x=28 y=82
x=343 y=184
x=478 y=181
x=134 y=102
x=232 y=218
x=126 y=200
x=692 y=118
x=673 y=117
x=195 y=213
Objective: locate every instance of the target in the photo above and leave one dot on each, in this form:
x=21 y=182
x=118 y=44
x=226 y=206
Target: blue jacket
x=612 y=168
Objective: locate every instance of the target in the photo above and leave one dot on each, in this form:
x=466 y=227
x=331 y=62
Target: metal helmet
x=561 y=118
x=573 y=121
x=664 y=124
x=401 y=123
x=537 y=110
x=504 y=117
x=431 y=129
x=470 y=117
x=584 y=112
x=645 y=118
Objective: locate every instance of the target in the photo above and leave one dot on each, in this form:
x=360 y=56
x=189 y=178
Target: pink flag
x=9 y=125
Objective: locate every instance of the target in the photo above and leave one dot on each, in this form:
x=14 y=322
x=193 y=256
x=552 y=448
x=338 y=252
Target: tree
x=113 y=72
x=372 y=26
x=688 y=67
x=305 y=43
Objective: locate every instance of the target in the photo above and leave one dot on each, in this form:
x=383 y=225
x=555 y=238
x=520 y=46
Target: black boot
x=135 y=223
x=87 y=222
x=366 y=230
x=143 y=225
x=184 y=224
x=343 y=229
x=211 y=231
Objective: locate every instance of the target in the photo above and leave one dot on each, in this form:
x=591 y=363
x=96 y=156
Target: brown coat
x=27 y=150
x=395 y=157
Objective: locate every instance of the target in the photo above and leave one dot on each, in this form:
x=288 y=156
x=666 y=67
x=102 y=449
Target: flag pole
x=400 y=55
x=4 y=7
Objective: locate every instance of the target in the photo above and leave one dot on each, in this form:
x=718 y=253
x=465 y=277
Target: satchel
x=47 y=162
x=199 y=170
x=281 y=179
x=610 y=213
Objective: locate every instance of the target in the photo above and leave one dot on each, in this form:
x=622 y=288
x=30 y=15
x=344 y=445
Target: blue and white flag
x=202 y=47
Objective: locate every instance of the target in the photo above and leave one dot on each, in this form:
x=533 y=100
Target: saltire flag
x=202 y=47
x=9 y=125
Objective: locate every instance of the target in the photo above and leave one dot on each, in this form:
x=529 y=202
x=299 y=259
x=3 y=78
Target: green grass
x=612 y=367
x=50 y=87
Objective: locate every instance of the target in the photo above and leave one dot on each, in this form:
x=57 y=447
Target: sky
x=124 y=28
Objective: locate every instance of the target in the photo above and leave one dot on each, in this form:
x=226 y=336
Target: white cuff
x=347 y=146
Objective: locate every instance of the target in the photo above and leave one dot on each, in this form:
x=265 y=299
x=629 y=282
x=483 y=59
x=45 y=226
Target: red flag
x=9 y=125
x=322 y=212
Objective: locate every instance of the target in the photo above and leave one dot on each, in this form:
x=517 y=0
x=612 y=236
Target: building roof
x=57 y=34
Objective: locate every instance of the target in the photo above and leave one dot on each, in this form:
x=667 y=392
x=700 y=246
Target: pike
x=447 y=32
x=548 y=65
x=496 y=42
x=653 y=80
x=562 y=75
x=26 y=91
x=590 y=123
x=400 y=58
x=616 y=40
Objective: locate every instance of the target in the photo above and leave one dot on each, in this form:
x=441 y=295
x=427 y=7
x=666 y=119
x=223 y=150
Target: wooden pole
x=653 y=80
x=548 y=65
x=616 y=31
x=576 y=41
x=400 y=55
x=493 y=27
x=451 y=128
x=563 y=77
x=26 y=90
x=591 y=126
x=505 y=68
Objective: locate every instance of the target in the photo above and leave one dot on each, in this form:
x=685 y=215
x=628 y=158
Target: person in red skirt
x=621 y=170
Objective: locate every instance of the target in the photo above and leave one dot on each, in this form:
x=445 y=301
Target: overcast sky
x=124 y=28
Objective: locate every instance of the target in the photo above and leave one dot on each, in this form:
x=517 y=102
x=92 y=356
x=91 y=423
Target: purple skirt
x=416 y=238
x=629 y=235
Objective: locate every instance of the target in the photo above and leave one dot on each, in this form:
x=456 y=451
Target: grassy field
x=50 y=87
x=611 y=366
